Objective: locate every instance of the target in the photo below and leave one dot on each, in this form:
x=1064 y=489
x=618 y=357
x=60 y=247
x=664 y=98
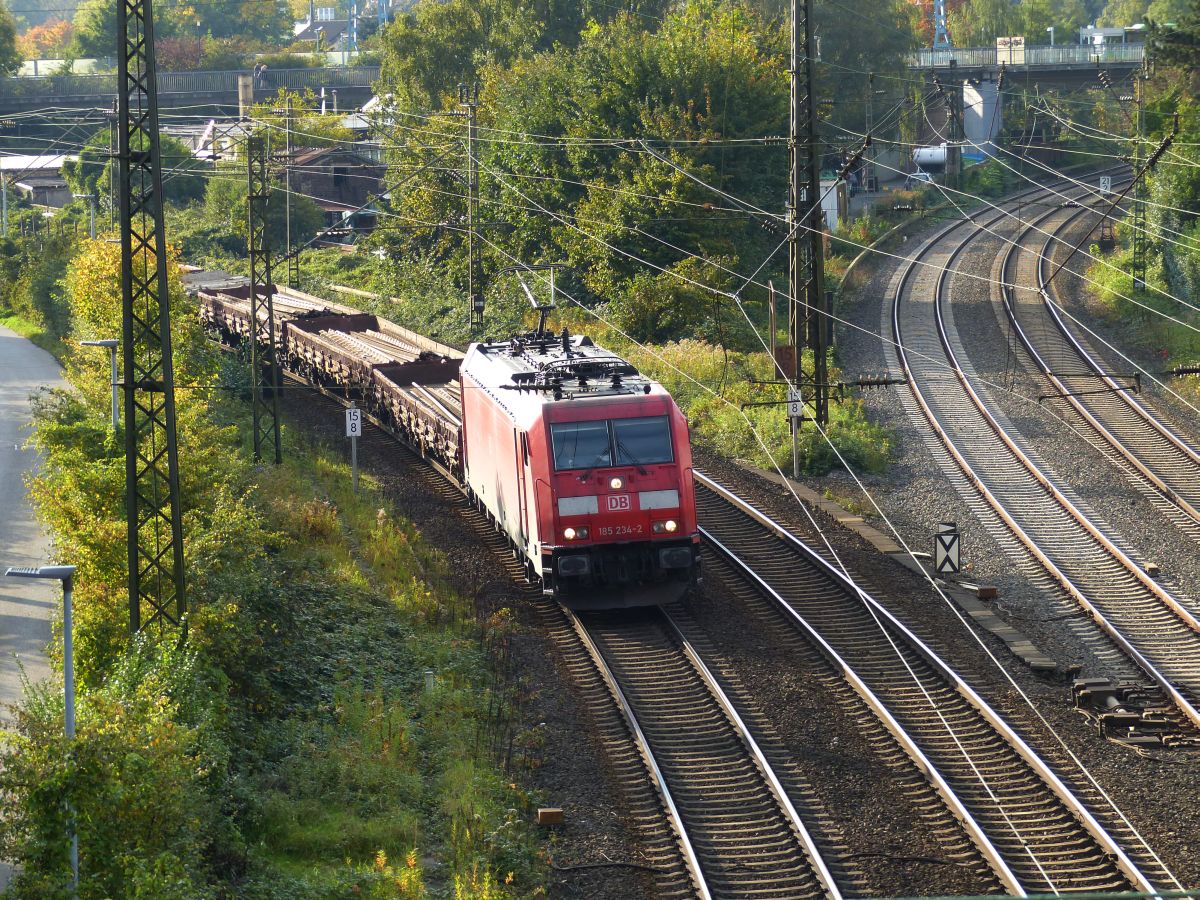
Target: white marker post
x=1106 y=184
x=353 y=430
x=946 y=549
x=795 y=413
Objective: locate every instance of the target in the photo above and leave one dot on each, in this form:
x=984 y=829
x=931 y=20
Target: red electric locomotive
x=585 y=465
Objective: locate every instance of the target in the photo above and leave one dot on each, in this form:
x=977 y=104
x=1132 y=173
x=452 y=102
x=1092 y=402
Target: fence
x=1046 y=57
x=195 y=83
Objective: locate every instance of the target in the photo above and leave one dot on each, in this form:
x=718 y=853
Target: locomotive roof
x=535 y=369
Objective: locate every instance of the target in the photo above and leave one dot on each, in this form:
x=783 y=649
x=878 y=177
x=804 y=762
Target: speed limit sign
x=353 y=422
x=1106 y=184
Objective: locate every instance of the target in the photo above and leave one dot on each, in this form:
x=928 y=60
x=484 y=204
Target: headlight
x=576 y=534
x=670 y=526
x=616 y=484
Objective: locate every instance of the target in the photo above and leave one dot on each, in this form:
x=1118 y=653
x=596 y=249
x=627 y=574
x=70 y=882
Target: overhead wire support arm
x=152 y=501
x=265 y=377
x=1138 y=176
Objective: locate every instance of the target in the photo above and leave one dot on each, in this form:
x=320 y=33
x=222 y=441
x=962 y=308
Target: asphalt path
x=25 y=605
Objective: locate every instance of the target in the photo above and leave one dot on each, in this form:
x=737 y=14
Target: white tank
x=930 y=156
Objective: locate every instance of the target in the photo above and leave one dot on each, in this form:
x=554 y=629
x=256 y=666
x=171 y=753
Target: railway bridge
x=1068 y=67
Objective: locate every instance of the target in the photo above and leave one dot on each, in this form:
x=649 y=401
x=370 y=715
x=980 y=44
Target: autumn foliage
x=46 y=41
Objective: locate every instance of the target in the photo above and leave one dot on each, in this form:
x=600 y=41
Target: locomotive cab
x=585 y=465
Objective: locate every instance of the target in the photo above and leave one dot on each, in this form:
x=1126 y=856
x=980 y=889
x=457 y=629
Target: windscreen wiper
x=621 y=448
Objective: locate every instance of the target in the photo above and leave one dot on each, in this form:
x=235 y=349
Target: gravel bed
x=1136 y=783
x=590 y=852
x=915 y=496
x=1133 y=513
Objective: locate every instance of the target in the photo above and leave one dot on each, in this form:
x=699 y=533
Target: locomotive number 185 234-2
x=619 y=530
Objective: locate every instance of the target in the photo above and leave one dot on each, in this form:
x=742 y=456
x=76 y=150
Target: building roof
x=41 y=181
x=305 y=156
x=330 y=31
x=17 y=162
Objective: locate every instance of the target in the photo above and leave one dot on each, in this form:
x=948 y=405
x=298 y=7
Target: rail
x=660 y=782
x=1000 y=727
x=724 y=799
x=1022 y=459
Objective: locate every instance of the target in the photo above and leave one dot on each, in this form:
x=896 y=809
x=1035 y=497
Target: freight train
x=582 y=463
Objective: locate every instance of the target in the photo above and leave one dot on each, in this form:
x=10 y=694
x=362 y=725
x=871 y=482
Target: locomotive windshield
x=594 y=445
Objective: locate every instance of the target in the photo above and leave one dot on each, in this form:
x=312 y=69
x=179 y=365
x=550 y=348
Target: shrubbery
x=292 y=748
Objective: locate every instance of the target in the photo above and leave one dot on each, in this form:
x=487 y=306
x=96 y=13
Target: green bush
x=711 y=385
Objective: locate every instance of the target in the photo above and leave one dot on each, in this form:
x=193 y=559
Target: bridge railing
x=1047 y=57
x=200 y=83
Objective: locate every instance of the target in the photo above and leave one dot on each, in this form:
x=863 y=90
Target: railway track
x=1029 y=826
x=736 y=831
x=739 y=831
x=1153 y=448
x=1155 y=629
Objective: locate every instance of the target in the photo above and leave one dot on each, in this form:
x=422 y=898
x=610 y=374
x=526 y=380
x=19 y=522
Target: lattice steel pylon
x=809 y=320
x=1138 y=225
x=152 y=505
x=941 y=34
x=265 y=399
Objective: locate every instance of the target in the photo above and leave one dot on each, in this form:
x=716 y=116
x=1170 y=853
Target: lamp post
x=1051 y=30
x=65 y=574
x=111 y=344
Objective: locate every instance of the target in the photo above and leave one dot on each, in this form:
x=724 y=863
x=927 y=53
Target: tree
x=258 y=20
x=10 y=58
x=1064 y=16
x=183 y=175
x=48 y=40
x=1122 y=13
x=95 y=26
x=1176 y=11
x=979 y=22
x=225 y=209
x=707 y=79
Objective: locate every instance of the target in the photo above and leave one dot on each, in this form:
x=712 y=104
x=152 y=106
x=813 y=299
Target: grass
x=711 y=385
x=1146 y=316
x=386 y=784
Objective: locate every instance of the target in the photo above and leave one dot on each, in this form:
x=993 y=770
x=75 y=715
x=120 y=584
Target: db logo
x=619 y=503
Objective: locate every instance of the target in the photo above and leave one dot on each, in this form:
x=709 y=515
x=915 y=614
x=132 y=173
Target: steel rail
x=1117 y=391
x=638 y=661
x=768 y=773
x=688 y=851
x=994 y=719
x=976 y=833
x=999 y=508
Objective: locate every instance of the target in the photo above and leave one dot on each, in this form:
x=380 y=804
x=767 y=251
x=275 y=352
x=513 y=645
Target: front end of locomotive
x=624 y=511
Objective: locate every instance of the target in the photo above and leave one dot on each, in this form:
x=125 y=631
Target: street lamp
x=1051 y=30
x=111 y=344
x=65 y=574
